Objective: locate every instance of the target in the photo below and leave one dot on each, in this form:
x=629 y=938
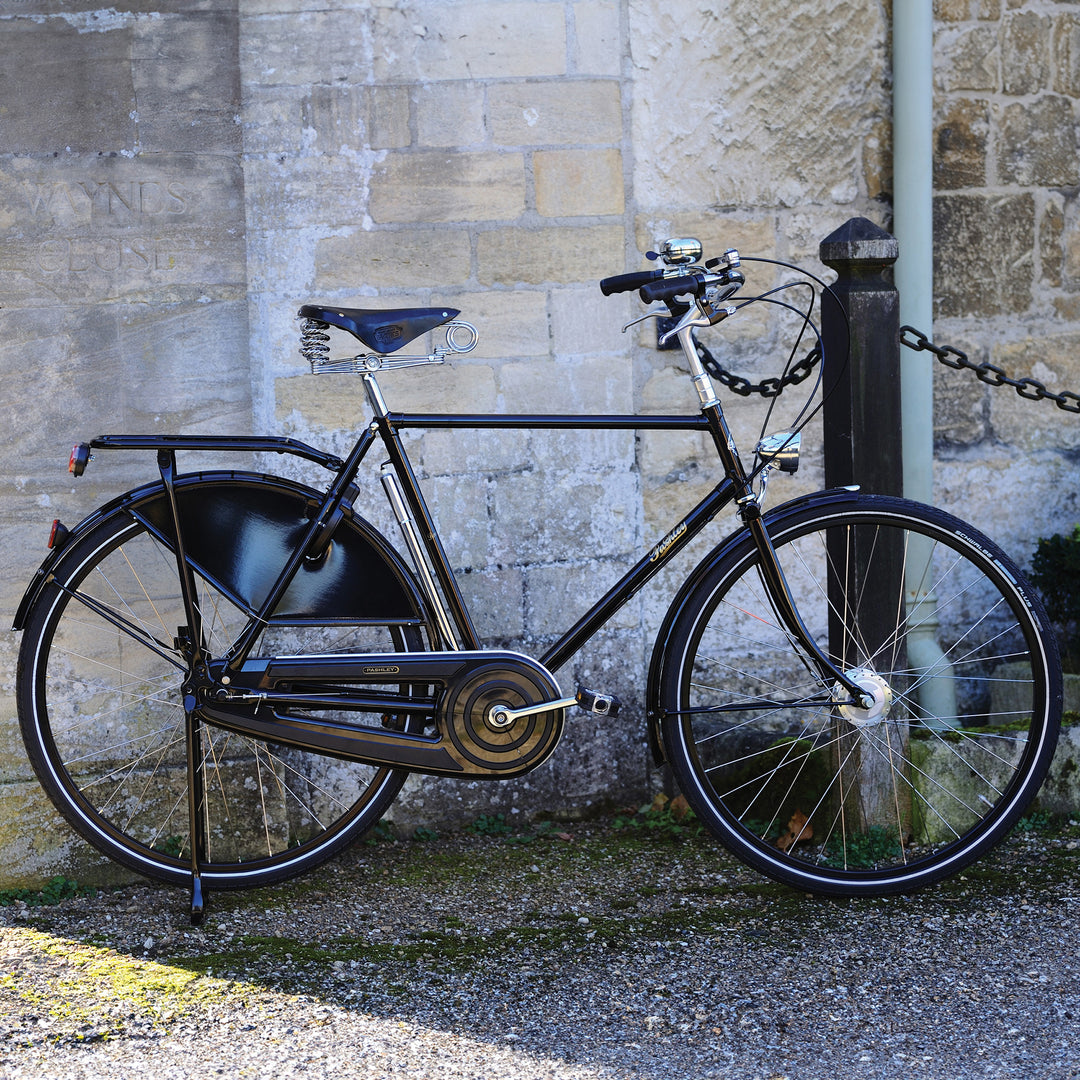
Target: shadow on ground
x=590 y=952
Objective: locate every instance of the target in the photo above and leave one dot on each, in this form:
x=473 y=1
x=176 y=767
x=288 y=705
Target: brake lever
x=714 y=316
x=642 y=318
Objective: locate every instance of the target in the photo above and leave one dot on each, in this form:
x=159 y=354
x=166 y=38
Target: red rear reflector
x=58 y=535
x=80 y=457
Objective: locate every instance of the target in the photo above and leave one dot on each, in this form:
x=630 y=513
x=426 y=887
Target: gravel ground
x=591 y=953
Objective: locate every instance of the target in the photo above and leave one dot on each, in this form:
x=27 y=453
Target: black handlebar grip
x=629 y=282
x=669 y=288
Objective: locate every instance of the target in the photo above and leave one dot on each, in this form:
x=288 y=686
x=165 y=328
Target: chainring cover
x=467 y=711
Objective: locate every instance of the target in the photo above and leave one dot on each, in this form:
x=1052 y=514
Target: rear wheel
x=937 y=625
x=100 y=671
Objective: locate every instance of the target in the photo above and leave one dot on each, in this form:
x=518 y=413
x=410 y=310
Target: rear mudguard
x=658 y=663
x=240 y=528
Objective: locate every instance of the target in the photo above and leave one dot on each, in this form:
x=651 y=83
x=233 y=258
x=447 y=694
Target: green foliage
x=59 y=888
x=864 y=850
x=170 y=845
x=767 y=830
x=381 y=833
x=668 y=818
x=425 y=835
x=489 y=825
x=1036 y=821
x=1055 y=572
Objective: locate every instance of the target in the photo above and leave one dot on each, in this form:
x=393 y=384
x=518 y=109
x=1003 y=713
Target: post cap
x=859 y=240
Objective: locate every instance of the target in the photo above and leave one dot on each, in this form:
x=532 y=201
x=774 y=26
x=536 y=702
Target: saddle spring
x=314 y=342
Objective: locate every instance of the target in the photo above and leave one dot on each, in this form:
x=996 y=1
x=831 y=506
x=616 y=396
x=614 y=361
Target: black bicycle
x=225 y=676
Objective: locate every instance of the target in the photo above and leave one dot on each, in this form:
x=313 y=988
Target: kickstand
x=198 y=904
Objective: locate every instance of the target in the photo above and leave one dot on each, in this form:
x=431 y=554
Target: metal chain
x=1031 y=389
x=767 y=388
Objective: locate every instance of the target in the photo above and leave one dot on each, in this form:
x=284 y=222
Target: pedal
x=597 y=704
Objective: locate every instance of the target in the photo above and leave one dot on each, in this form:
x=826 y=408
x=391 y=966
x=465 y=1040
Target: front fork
x=750 y=512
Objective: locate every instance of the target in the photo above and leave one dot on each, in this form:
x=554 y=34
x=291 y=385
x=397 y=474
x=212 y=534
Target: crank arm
x=600 y=704
x=501 y=716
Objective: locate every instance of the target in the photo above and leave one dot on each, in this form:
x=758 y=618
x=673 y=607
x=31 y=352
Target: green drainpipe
x=913 y=226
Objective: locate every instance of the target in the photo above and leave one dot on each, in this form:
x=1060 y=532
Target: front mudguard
x=239 y=529
x=661 y=647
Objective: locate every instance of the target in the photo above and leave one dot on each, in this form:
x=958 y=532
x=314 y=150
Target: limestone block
x=14 y=764
x=557 y=596
x=505 y=38
x=1066 y=54
x=1037 y=144
x=1051 y=249
x=450 y=114
x=982 y=254
x=114 y=367
x=512 y=323
x=971 y=59
x=460 y=508
x=332 y=119
x=596 y=48
x=102 y=228
x=960 y=143
x=495 y=599
x=1025 y=52
x=36 y=845
x=553 y=254
x=339 y=401
x=961 y=10
x=717 y=137
x=273 y=123
x=324 y=193
x=187 y=82
x=565 y=386
x=569 y=451
x=354 y=259
x=297 y=48
x=432 y=186
x=1043 y=498
x=464 y=452
x=52 y=68
x=586 y=323
x=388 y=126
x=576 y=183
x=717 y=232
x=536 y=521
x=578 y=111
x=1037 y=425
x=960 y=405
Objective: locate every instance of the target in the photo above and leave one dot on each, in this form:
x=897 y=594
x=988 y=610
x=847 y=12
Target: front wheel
x=936 y=624
x=102 y=716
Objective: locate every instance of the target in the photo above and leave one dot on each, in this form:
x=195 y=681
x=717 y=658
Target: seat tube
x=413 y=515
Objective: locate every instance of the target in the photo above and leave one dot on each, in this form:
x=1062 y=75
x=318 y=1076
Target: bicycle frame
x=453 y=628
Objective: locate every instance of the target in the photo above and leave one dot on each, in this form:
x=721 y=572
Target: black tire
x=104 y=724
x=844 y=801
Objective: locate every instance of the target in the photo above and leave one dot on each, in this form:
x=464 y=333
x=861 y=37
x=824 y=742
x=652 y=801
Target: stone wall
x=1007 y=273
x=123 y=281
x=176 y=179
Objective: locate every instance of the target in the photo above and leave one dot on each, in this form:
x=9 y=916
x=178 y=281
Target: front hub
x=879 y=691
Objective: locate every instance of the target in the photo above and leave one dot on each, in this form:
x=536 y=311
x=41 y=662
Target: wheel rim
x=110 y=731
x=848 y=799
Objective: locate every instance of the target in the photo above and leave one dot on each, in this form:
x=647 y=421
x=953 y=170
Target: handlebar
x=669 y=288
x=629 y=282
x=681 y=278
